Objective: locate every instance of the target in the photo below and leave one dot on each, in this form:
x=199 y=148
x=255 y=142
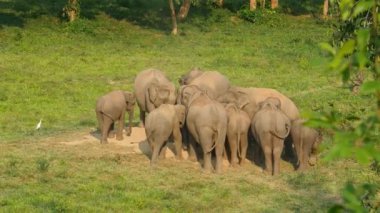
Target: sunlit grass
x=56 y=71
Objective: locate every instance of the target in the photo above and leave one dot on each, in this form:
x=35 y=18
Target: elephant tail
x=238 y=143
x=214 y=140
x=287 y=127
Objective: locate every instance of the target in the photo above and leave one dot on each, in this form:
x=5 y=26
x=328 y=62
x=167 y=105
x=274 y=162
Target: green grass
x=56 y=71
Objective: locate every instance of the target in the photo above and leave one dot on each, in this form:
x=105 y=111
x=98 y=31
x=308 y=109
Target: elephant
x=160 y=124
x=110 y=108
x=153 y=88
x=270 y=126
x=214 y=83
x=206 y=121
x=306 y=141
x=238 y=123
x=248 y=100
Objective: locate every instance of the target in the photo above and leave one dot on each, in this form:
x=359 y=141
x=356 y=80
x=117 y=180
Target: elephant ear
x=163 y=92
x=153 y=92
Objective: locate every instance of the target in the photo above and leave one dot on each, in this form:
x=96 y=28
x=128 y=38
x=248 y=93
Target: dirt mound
x=135 y=143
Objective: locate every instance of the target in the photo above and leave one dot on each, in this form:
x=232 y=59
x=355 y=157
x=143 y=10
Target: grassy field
x=55 y=71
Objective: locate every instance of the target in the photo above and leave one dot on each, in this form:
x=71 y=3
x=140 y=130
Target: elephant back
x=213 y=82
x=258 y=95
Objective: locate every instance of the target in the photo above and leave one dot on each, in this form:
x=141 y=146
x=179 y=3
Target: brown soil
x=136 y=143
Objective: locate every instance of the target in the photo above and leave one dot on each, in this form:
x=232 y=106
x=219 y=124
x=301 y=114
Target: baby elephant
x=238 y=123
x=270 y=126
x=160 y=124
x=110 y=108
x=306 y=141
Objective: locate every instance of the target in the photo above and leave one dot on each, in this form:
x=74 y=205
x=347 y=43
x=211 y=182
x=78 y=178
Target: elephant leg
x=265 y=140
x=192 y=148
x=155 y=152
x=99 y=116
x=207 y=166
x=163 y=151
x=243 y=147
x=120 y=127
x=107 y=122
x=178 y=142
x=128 y=131
x=142 y=118
x=278 y=146
x=219 y=149
x=205 y=139
x=232 y=142
x=111 y=132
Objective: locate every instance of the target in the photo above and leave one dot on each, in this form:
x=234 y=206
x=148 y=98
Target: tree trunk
x=220 y=3
x=174 y=18
x=274 y=4
x=325 y=8
x=252 y=5
x=184 y=10
x=71 y=10
x=262 y=4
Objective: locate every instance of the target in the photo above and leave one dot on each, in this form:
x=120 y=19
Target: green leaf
x=345 y=8
x=361 y=59
x=362 y=155
x=327 y=47
x=362 y=39
x=347 y=48
x=370 y=87
x=363 y=6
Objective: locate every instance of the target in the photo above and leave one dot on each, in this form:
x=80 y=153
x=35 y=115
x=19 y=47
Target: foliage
x=258 y=15
x=358 y=199
x=357 y=51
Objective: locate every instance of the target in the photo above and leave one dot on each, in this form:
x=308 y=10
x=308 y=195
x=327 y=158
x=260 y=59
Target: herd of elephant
x=207 y=113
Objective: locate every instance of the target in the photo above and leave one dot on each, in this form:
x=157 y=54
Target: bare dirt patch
x=136 y=143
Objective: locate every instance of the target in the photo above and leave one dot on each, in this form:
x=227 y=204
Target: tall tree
x=274 y=4
x=184 y=9
x=252 y=5
x=325 y=8
x=71 y=10
x=174 y=18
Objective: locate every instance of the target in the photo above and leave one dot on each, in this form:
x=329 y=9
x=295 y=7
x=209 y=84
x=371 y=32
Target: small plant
x=42 y=165
x=12 y=167
x=249 y=15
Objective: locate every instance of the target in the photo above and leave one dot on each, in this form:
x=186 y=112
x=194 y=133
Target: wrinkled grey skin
x=206 y=120
x=248 y=99
x=160 y=124
x=270 y=126
x=153 y=88
x=111 y=108
x=238 y=123
x=306 y=141
x=212 y=82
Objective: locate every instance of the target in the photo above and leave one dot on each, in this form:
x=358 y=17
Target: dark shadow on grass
x=256 y=156
x=301 y=7
x=9 y=19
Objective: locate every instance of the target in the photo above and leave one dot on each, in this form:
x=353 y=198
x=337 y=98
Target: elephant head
x=314 y=149
x=188 y=77
x=240 y=99
x=157 y=94
x=130 y=100
x=270 y=103
x=187 y=94
x=180 y=111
